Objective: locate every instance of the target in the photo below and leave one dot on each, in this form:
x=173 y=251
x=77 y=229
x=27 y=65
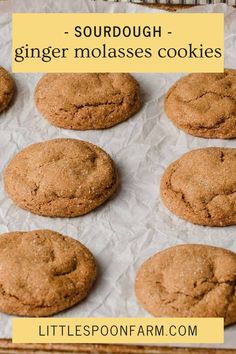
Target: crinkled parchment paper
x=134 y=224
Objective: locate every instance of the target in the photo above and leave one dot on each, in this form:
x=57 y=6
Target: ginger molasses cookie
x=7 y=88
x=87 y=101
x=200 y=187
x=60 y=178
x=204 y=105
x=43 y=272
x=189 y=281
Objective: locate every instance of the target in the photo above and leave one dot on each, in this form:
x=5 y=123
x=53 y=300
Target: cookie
x=43 y=272
x=204 y=105
x=87 y=101
x=200 y=187
x=6 y=89
x=189 y=281
x=60 y=178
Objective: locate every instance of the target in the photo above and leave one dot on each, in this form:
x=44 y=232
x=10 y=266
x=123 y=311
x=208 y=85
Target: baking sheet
x=179 y=2
x=134 y=224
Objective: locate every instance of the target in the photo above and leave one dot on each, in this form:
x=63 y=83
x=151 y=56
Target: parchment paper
x=134 y=224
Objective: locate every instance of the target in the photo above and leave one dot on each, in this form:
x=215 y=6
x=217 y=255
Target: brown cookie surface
x=204 y=105
x=87 y=101
x=189 y=281
x=43 y=272
x=7 y=87
x=60 y=178
x=200 y=187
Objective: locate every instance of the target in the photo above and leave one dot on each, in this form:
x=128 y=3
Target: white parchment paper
x=134 y=224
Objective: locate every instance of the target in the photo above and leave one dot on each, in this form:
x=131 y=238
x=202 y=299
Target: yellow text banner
x=118 y=330
x=105 y=42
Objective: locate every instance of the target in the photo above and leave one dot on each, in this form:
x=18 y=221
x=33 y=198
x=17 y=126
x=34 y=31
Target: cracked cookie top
x=200 y=187
x=87 y=101
x=43 y=272
x=7 y=88
x=204 y=105
x=60 y=178
x=189 y=281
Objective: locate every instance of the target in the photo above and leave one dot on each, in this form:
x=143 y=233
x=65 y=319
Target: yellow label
x=118 y=330
x=105 y=42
